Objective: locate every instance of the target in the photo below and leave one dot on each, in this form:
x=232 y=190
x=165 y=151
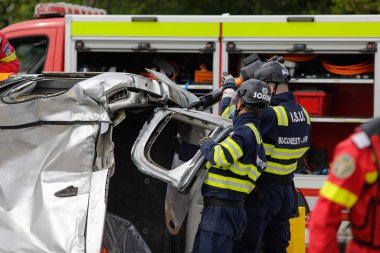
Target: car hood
x=57 y=97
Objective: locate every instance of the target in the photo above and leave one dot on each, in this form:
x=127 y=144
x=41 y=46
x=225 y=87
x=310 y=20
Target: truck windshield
x=31 y=52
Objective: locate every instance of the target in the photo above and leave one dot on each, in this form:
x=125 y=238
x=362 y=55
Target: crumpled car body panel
x=57 y=155
x=39 y=162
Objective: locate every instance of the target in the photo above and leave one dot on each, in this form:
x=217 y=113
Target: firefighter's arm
x=228 y=87
x=225 y=152
x=227 y=96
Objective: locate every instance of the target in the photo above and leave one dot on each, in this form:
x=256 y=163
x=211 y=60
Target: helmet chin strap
x=275 y=89
x=237 y=110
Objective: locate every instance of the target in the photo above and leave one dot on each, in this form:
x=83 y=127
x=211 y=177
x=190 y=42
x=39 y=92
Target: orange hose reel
x=348 y=70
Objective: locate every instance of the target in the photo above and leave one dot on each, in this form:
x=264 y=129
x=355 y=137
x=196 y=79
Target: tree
x=356 y=6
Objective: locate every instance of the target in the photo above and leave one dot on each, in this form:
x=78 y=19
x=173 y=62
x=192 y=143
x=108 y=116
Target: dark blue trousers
x=268 y=228
x=218 y=229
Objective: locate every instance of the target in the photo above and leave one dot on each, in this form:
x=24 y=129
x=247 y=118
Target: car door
x=186 y=173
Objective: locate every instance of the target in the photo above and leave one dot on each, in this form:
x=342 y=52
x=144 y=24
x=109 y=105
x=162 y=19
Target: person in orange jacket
x=354 y=184
x=8 y=59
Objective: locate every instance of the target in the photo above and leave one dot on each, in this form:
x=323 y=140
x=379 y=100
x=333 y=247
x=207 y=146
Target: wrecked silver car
x=71 y=149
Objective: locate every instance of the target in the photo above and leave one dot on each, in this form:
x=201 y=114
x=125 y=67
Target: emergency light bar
x=45 y=10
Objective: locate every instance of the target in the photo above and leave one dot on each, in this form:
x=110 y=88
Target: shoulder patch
x=344 y=166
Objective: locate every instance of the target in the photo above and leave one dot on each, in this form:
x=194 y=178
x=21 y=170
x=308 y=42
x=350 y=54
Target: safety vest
x=290 y=139
x=8 y=58
x=365 y=214
x=7 y=53
x=239 y=176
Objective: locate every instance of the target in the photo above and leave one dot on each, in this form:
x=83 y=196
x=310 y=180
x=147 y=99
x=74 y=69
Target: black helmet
x=273 y=72
x=255 y=93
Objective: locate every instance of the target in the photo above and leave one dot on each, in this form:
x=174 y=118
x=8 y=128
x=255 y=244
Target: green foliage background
x=12 y=11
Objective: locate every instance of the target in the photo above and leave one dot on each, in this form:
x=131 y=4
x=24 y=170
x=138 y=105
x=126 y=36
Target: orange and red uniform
x=354 y=184
x=8 y=59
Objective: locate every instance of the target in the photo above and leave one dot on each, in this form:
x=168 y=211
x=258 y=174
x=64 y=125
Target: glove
x=204 y=139
x=228 y=82
x=276 y=58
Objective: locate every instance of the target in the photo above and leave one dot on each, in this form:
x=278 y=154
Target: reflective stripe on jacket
x=285 y=130
x=236 y=162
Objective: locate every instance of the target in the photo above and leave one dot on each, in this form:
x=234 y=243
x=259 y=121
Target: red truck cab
x=39 y=44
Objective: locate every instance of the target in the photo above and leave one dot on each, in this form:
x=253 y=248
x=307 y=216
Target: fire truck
x=333 y=60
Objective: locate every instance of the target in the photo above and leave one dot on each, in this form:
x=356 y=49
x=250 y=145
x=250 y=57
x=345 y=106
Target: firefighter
x=285 y=129
x=8 y=59
x=353 y=183
x=234 y=165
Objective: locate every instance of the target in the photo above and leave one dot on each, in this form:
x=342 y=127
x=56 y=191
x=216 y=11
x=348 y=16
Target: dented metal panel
x=57 y=153
x=47 y=162
x=38 y=162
